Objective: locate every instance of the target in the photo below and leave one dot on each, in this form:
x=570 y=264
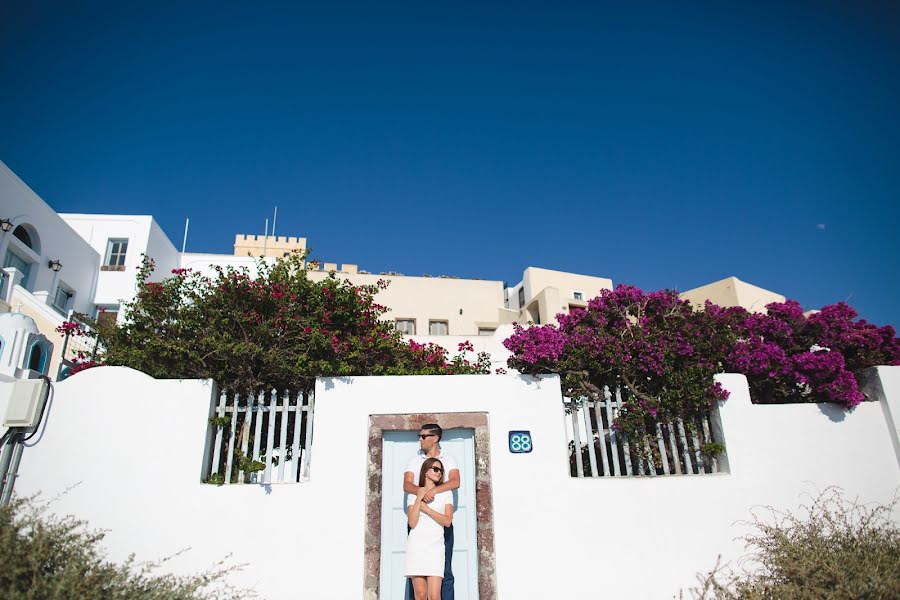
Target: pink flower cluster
x=536 y=345
x=71 y=328
x=789 y=357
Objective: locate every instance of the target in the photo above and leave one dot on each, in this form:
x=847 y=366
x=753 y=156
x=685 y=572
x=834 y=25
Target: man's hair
x=435 y=428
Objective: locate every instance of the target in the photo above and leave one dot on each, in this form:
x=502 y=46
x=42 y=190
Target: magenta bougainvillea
x=790 y=357
x=277 y=328
x=665 y=353
x=654 y=345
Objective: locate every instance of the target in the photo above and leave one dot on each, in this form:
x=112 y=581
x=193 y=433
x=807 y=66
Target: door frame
x=484 y=502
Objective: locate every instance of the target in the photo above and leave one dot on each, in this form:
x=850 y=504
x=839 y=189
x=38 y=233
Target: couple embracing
x=429 y=481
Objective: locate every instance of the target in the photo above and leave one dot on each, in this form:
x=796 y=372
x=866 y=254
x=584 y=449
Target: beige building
x=731 y=291
x=267 y=245
x=542 y=294
x=96 y=258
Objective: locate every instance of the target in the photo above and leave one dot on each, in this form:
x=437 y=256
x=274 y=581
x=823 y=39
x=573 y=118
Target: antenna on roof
x=184 y=242
x=274 y=218
x=266 y=237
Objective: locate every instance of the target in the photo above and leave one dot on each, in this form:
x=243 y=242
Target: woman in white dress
x=425 y=544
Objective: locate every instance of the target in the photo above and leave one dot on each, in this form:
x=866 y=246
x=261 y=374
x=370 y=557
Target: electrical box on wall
x=25 y=403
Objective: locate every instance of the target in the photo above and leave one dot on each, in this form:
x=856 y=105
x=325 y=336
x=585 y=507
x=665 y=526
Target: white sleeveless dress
x=425 y=544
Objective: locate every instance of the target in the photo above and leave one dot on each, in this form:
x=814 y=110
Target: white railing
x=677 y=448
x=262 y=438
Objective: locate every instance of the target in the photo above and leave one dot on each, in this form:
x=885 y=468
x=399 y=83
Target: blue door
x=399 y=447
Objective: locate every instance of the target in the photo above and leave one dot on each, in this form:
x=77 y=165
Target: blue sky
x=659 y=144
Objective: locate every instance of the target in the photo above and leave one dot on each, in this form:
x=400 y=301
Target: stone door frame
x=484 y=502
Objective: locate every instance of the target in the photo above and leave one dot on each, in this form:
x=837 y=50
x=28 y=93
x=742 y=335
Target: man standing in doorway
x=430 y=447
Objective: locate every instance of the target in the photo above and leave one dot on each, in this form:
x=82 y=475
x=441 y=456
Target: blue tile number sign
x=520 y=442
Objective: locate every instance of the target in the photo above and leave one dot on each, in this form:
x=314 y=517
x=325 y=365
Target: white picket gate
x=262 y=438
x=676 y=448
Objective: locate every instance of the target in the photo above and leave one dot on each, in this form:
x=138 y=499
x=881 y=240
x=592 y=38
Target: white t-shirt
x=416 y=462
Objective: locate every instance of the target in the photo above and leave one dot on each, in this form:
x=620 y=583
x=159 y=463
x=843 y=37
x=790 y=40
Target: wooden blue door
x=399 y=447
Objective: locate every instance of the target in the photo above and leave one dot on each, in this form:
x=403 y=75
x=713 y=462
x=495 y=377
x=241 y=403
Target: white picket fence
x=671 y=449
x=262 y=438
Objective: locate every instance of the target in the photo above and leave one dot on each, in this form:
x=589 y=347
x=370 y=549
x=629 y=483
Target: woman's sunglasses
x=437 y=469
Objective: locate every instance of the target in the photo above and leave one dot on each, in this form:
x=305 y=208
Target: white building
x=121 y=241
x=55 y=265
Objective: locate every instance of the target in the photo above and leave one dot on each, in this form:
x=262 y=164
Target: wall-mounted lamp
x=55 y=265
x=5 y=224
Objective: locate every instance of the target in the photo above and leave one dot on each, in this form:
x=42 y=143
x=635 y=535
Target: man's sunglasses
x=422 y=436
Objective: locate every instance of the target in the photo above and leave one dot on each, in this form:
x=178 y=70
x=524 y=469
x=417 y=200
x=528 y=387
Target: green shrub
x=48 y=557
x=832 y=549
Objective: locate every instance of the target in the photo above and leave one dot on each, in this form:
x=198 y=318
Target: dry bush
x=47 y=557
x=831 y=548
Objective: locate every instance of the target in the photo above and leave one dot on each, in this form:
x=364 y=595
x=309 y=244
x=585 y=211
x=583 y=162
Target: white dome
x=13 y=322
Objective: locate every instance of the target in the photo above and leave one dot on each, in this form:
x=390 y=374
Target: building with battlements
x=57 y=265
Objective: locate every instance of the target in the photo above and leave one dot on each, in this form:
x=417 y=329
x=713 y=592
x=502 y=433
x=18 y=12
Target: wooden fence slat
x=307 y=450
x=270 y=438
x=245 y=433
x=589 y=433
x=714 y=463
x=295 y=446
x=674 y=446
x=217 y=444
x=697 y=455
x=579 y=463
x=258 y=412
x=613 y=434
x=230 y=457
x=282 y=441
x=689 y=469
x=601 y=431
x=661 y=444
x=651 y=464
x=625 y=448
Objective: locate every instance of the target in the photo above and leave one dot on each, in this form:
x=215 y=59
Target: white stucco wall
x=144 y=237
x=134 y=447
x=205 y=263
x=57 y=241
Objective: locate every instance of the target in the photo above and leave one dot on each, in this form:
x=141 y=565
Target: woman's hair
x=427 y=465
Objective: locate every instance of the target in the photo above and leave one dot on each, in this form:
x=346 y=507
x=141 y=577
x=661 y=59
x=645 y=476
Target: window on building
x=486 y=330
x=406 y=326
x=107 y=316
x=116 y=249
x=23 y=266
x=62 y=299
x=522 y=297
x=438 y=328
x=37 y=359
x=578 y=295
x=23 y=236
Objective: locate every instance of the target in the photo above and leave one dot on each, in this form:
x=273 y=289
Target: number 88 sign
x=520 y=442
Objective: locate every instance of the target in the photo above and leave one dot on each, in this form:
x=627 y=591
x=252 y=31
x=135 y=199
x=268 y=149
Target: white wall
x=57 y=242
x=161 y=250
x=135 y=445
x=144 y=237
x=205 y=263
